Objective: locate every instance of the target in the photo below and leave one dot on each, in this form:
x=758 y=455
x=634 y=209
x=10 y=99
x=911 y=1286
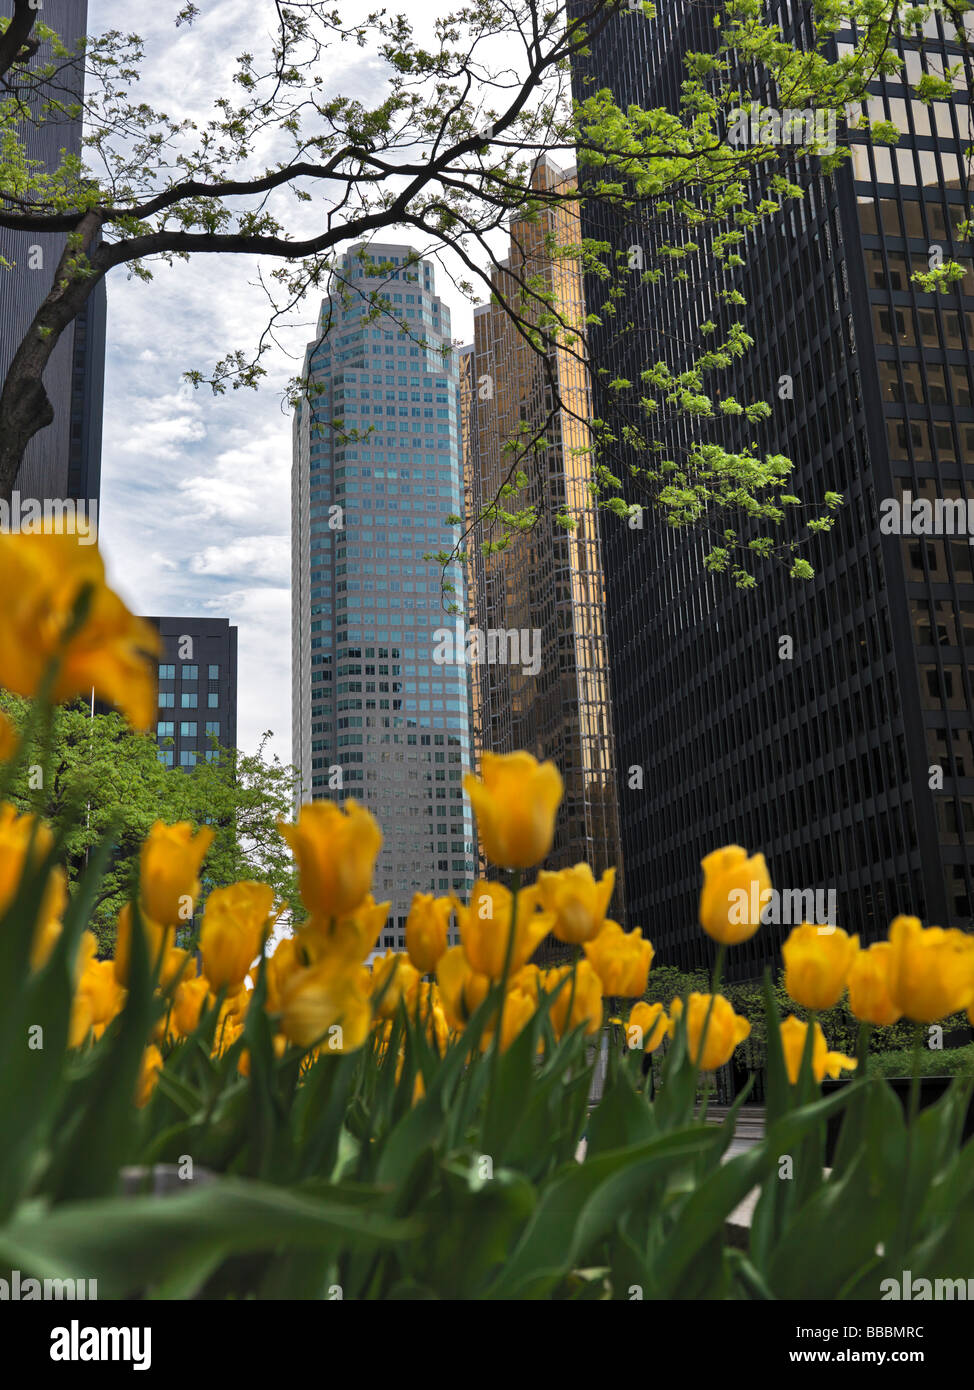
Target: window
x=166 y=699
x=167 y=673
x=190 y=673
x=165 y=729
x=187 y=728
x=213 y=700
x=213 y=672
x=187 y=758
x=213 y=727
x=188 y=699
x=165 y=756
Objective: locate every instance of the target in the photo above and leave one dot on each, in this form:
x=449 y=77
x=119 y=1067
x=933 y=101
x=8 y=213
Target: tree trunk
x=25 y=408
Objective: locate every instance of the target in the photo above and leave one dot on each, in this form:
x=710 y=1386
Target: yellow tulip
x=41 y=577
x=188 y=1003
x=8 y=739
x=529 y=980
x=148 y=1074
x=18 y=834
x=345 y=939
x=519 y=1009
x=25 y=842
x=735 y=892
x=228 y=1030
x=170 y=863
x=48 y=927
x=485 y=927
x=817 y=964
x=335 y=850
x=824 y=1063
x=725 y=1029
x=515 y=801
x=423 y=998
x=286 y=961
x=393 y=975
x=868 y=983
x=324 y=1003
x=931 y=971
x=572 y=1006
x=577 y=900
x=647 y=1027
x=104 y=994
x=581 y=1004
x=236 y=923
x=462 y=990
x=427 y=930
x=621 y=960
x=158 y=942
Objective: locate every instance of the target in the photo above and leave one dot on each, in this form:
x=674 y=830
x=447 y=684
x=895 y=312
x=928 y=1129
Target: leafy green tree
x=104 y=778
x=445 y=153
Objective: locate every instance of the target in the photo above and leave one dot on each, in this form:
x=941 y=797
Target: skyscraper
x=380 y=692
x=197 y=689
x=63 y=460
x=554 y=699
x=828 y=722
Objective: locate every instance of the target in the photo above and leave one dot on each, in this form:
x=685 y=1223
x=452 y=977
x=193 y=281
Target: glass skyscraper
x=381 y=707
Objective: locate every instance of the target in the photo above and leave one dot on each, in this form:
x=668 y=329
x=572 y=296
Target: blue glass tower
x=378 y=715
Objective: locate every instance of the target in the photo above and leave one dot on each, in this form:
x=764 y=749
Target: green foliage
x=952 y=1061
x=105 y=778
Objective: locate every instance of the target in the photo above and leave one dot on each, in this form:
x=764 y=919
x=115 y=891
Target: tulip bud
x=735 y=891
x=724 y=1029
x=170 y=863
x=515 y=801
x=816 y=965
x=335 y=850
x=236 y=923
x=427 y=930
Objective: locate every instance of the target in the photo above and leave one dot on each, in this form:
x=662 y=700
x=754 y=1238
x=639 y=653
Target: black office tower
x=197 y=689
x=64 y=460
x=845 y=752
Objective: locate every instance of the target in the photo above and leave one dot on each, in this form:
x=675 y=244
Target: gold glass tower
x=547 y=586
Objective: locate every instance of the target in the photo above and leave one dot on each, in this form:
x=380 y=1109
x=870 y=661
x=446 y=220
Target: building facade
x=847 y=751
x=547 y=587
x=64 y=460
x=380 y=692
x=197 y=689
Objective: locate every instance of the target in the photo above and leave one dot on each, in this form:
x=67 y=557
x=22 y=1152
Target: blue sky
x=195 y=506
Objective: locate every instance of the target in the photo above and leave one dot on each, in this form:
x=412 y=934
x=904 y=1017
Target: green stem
x=505 y=973
x=862 y=1050
x=913 y=1108
x=714 y=986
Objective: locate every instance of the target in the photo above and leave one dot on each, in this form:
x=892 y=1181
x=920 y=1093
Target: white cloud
x=195 y=509
x=253 y=557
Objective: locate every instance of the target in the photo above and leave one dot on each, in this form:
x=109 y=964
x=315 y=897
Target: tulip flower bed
x=412 y=1129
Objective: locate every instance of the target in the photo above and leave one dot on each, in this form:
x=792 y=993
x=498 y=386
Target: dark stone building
x=846 y=753
x=63 y=460
x=197 y=689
